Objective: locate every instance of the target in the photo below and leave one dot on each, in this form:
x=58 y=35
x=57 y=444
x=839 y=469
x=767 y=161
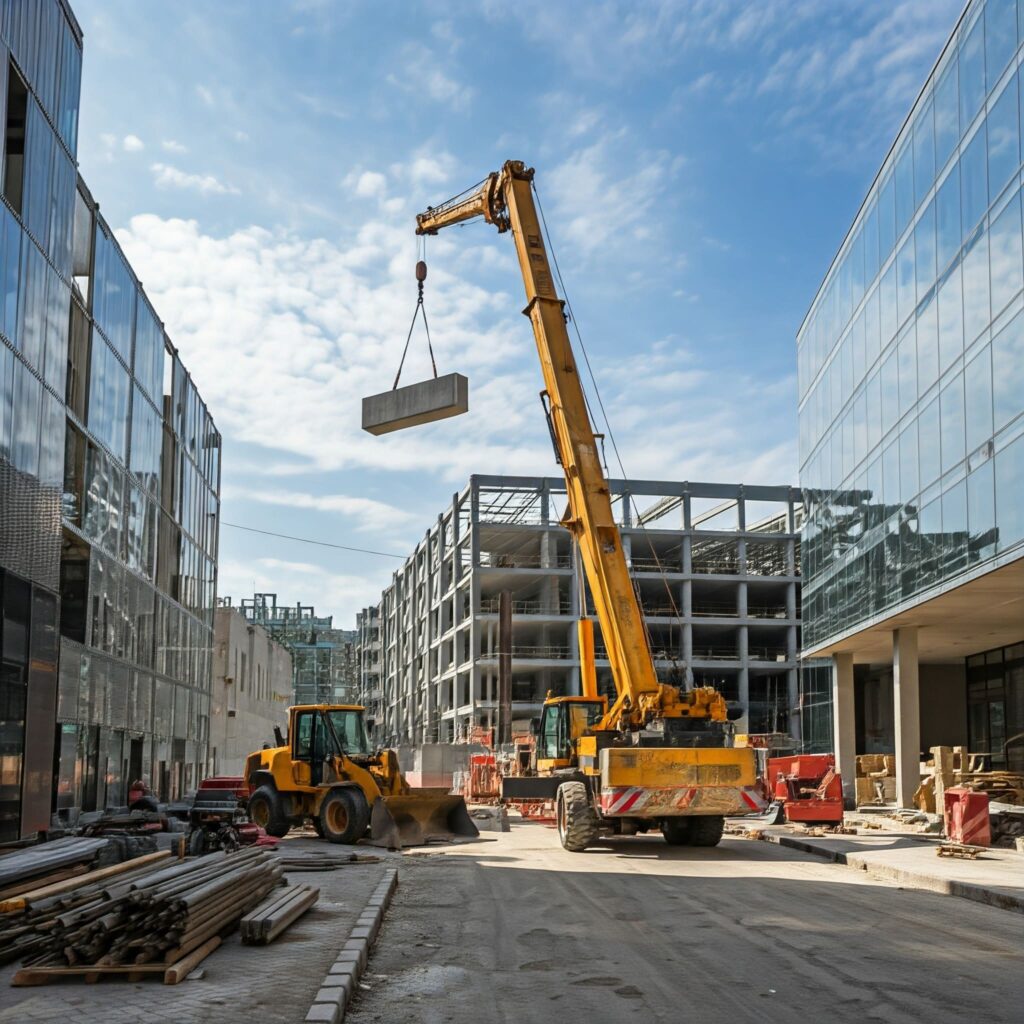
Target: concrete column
x=743 y=683
x=907 y=713
x=793 y=702
x=844 y=723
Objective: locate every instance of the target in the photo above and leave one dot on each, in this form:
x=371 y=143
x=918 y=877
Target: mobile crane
x=659 y=756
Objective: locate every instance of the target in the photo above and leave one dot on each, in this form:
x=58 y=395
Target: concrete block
x=358 y=947
x=361 y=932
x=331 y=994
x=323 y=1013
x=423 y=402
x=346 y=958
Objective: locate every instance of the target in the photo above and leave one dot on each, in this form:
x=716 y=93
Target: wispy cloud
x=165 y=176
x=422 y=75
x=132 y=144
x=171 y=146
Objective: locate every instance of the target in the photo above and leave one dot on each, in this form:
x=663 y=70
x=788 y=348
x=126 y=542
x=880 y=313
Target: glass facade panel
x=1006 y=244
x=1008 y=372
x=934 y=427
x=109 y=395
x=113 y=296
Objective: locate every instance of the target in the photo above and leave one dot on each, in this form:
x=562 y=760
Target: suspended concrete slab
x=414 y=404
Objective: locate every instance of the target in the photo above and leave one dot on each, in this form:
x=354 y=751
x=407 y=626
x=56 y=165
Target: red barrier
x=966 y=817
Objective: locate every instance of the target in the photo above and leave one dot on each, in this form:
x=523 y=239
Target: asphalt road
x=517 y=930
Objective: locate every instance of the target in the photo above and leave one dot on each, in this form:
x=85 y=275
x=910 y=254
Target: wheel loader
x=326 y=772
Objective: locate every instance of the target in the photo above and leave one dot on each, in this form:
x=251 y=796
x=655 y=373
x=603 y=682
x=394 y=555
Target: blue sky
x=699 y=163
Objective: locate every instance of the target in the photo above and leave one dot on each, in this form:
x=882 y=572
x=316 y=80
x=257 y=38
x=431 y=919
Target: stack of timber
x=954 y=766
x=147 y=918
x=276 y=913
x=33 y=866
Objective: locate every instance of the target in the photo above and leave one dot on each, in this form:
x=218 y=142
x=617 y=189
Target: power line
x=319 y=543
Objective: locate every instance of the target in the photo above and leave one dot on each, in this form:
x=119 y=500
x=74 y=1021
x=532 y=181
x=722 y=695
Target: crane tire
x=577 y=822
x=706 y=830
x=677 y=831
x=266 y=811
x=344 y=815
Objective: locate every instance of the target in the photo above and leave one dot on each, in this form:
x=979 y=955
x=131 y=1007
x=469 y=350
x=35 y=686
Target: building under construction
x=715 y=566
x=325 y=665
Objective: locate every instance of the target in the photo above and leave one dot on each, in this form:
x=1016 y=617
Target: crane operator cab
x=563 y=721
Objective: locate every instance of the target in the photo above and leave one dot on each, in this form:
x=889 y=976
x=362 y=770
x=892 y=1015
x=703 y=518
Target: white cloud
x=369 y=514
x=132 y=144
x=173 y=147
x=165 y=176
x=206 y=95
x=421 y=76
x=367 y=184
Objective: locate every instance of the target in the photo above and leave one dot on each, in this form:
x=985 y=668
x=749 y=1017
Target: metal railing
x=496 y=560
x=490 y=605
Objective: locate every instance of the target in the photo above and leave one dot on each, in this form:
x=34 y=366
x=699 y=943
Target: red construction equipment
x=967 y=818
x=809 y=787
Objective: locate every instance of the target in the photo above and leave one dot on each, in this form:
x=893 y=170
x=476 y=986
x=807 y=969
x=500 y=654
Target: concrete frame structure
x=911 y=363
x=715 y=567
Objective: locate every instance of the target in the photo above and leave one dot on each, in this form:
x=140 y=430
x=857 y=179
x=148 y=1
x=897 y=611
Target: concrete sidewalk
x=996 y=877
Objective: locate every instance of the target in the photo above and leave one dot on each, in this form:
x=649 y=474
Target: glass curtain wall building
x=911 y=382
x=109 y=477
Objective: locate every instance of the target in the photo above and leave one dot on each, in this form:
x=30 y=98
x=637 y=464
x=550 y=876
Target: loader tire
x=266 y=811
x=577 y=822
x=344 y=815
x=677 y=831
x=706 y=830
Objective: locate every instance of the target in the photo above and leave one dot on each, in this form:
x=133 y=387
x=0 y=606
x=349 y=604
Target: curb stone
x=343 y=976
x=913 y=879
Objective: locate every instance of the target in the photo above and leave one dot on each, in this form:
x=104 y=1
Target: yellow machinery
x=327 y=772
x=659 y=756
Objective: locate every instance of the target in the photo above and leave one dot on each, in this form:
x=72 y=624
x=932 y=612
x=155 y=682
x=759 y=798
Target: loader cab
x=562 y=722
x=321 y=732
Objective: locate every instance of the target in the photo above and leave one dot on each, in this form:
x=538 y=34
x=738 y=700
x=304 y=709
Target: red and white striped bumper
x=641 y=802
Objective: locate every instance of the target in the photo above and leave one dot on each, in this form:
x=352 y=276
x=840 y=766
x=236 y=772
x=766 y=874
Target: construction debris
x=958 y=850
x=276 y=913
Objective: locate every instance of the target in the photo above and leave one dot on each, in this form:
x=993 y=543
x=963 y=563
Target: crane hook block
x=421 y=271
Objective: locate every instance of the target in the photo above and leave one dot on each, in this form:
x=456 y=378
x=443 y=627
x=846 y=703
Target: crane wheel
x=266 y=811
x=706 y=830
x=677 y=831
x=344 y=815
x=577 y=822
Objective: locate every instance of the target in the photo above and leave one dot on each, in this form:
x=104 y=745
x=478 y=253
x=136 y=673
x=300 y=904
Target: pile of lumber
x=876 y=779
x=276 y=913
x=33 y=866
x=953 y=766
x=146 y=914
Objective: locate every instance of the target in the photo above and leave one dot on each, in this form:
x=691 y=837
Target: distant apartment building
x=369 y=663
x=250 y=692
x=109 y=478
x=911 y=382
x=716 y=570
x=325 y=664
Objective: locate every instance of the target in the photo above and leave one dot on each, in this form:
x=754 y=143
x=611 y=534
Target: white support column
x=844 y=723
x=907 y=714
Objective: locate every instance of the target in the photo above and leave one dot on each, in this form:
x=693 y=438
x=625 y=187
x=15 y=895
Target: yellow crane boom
x=505 y=199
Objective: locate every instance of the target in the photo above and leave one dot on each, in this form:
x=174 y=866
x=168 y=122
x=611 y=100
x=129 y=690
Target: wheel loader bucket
x=418 y=818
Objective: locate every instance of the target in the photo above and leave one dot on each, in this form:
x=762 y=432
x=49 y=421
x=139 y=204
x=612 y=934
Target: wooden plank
x=91 y=973
x=32 y=883
x=184 y=967
x=88 y=878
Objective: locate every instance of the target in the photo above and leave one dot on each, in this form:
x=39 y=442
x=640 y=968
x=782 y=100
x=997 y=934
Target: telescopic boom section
x=505 y=199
